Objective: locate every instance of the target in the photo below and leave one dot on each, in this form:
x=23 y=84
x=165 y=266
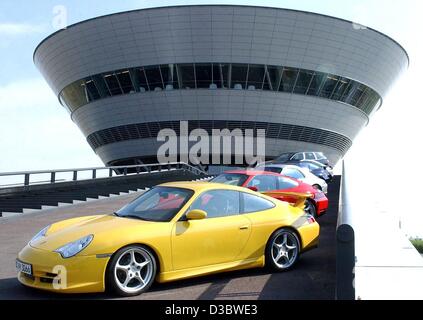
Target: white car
x=295 y=172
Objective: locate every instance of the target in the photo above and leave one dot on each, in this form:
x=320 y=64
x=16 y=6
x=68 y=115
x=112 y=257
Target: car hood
x=106 y=229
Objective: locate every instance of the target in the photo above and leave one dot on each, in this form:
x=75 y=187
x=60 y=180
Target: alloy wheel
x=284 y=250
x=133 y=270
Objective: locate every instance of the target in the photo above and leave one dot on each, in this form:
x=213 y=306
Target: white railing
x=27 y=178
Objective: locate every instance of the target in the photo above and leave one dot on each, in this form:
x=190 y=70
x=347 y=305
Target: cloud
x=15 y=29
x=36 y=132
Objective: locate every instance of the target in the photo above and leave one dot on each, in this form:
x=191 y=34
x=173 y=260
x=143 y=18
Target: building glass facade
x=214 y=76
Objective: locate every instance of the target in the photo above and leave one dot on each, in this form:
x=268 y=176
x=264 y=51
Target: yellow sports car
x=173 y=231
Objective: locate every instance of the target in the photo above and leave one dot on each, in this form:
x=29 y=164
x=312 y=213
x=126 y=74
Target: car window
x=293 y=173
x=320 y=156
x=285 y=183
x=157 y=204
x=218 y=203
x=298 y=156
x=234 y=179
x=263 y=182
x=252 y=203
x=309 y=156
x=284 y=157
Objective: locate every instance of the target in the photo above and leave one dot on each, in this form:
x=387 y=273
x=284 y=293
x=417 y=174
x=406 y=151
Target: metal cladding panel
x=237 y=34
x=220 y=105
x=220 y=34
x=131 y=149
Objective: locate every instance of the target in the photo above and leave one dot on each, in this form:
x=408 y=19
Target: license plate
x=24 y=267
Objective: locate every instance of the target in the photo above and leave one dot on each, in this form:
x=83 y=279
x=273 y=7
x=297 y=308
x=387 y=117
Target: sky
x=37 y=133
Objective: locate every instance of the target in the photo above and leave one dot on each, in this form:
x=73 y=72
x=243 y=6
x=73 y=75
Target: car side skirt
x=205 y=270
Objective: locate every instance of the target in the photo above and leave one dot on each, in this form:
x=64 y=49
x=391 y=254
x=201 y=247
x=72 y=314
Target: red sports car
x=268 y=182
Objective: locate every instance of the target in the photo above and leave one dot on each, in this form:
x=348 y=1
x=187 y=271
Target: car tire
x=310 y=208
x=131 y=271
x=282 y=250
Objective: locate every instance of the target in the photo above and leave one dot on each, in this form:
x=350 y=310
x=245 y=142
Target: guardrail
x=90 y=173
x=345 y=243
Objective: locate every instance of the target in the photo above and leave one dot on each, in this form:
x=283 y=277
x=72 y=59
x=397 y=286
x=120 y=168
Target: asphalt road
x=312 y=278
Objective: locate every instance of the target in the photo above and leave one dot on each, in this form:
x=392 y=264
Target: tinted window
x=224 y=69
x=289 y=77
x=113 y=84
x=125 y=81
x=140 y=80
x=309 y=155
x=101 y=86
x=233 y=179
x=92 y=91
x=340 y=88
x=157 y=204
x=293 y=173
x=216 y=76
x=298 y=156
x=169 y=76
x=239 y=76
x=273 y=78
x=284 y=157
x=218 y=203
x=204 y=75
x=74 y=95
x=263 y=183
x=303 y=81
x=254 y=203
x=255 y=76
x=154 y=77
x=329 y=86
x=316 y=83
x=186 y=75
x=285 y=183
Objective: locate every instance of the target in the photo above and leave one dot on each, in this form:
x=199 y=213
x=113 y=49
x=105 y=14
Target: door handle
x=244 y=227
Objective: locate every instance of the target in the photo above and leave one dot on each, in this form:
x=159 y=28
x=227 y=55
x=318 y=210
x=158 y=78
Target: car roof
x=200 y=186
x=283 y=165
x=292 y=162
x=253 y=172
x=275 y=165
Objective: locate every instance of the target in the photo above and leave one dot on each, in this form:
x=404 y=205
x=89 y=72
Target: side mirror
x=253 y=188
x=196 y=214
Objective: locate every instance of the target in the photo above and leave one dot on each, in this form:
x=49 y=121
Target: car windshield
x=157 y=204
x=233 y=179
x=284 y=157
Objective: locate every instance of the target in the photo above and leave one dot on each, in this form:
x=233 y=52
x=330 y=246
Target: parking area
x=312 y=278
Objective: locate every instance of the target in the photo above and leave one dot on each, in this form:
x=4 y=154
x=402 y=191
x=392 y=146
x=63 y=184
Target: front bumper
x=78 y=274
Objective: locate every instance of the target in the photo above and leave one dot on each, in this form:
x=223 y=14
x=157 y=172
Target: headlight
x=72 y=248
x=40 y=234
